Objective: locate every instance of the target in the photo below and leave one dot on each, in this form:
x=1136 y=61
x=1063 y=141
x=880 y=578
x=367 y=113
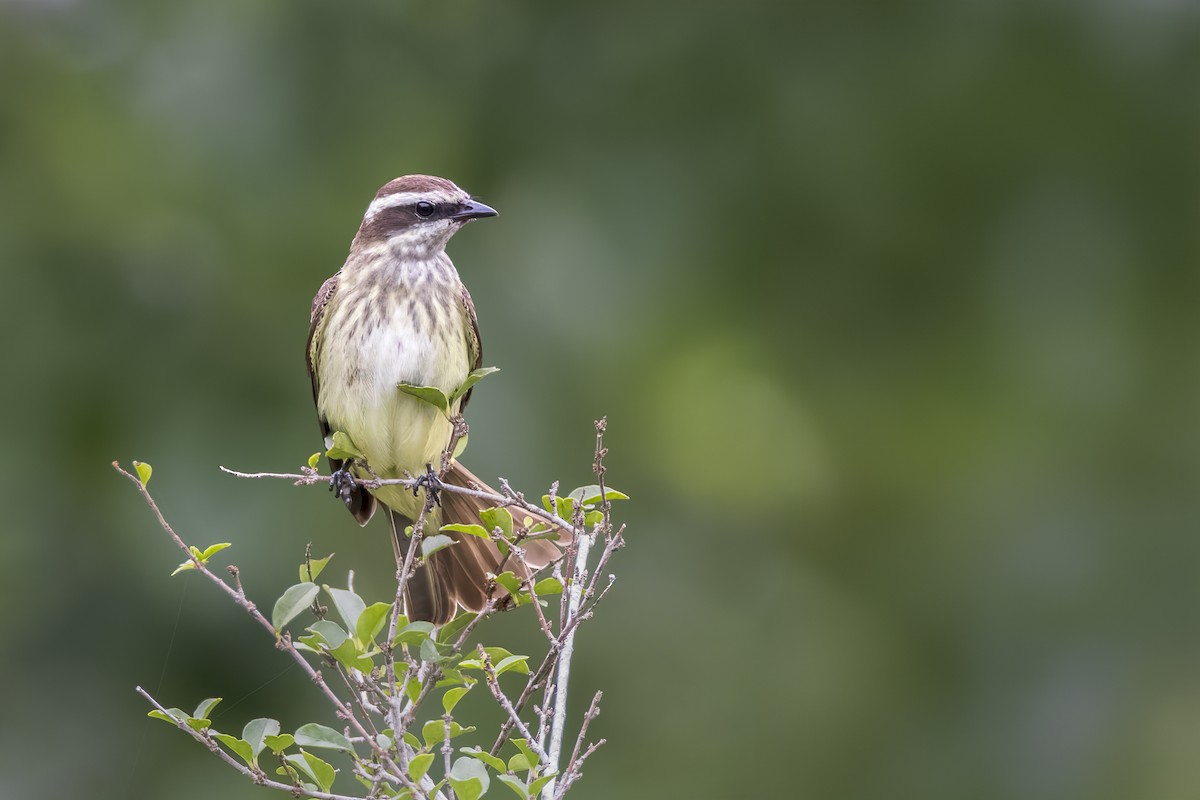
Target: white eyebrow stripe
x=404 y=199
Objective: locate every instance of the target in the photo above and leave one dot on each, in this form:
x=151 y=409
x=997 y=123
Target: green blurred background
x=891 y=307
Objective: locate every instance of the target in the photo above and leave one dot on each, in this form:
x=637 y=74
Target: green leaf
x=173 y=715
x=144 y=471
x=256 y=732
x=205 y=708
x=471 y=530
x=198 y=724
x=294 y=600
x=342 y=448
x=461 y=446
x=316 y=565
x=419 y=765
x=548 y=586
x=510 y=582
x=502 y=661
x=530 y=757
x=448 y=633
x=371 y=622
x=316 y=735
x=239 y=748
x=513 y=782
x=563 y=506
x=277 y=744
x=501 y=518
x=469 y=778
x=429 y=394
x=486 y=757
x=348 y=604
x=314 y=459
x=319 y=769
x=291 y=773
x=429 y=652
x=451 y=697
x=497 y=654
x=535 y=788
x=435 y=730
x=213 y=549
x=349 y=654
x=412 y=690
x=202 y=557
x=313 y=767
x=184 y=566
x=586 y=495
x=452 y=677
x=513 y=664
x=310 y=644
x=474 y=377
x=413 y=633
x=330 y=632
x=431 y=544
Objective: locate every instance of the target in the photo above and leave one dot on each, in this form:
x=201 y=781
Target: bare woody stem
x=258 y=776
x=313 y=477
x=370 y=699
x=579 y=578
x=283 y=641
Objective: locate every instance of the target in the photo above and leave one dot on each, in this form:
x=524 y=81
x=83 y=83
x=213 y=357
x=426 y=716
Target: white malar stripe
x=405 y=199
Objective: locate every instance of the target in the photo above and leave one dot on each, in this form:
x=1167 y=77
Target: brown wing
x=316 y=314
x=360 y=503
x=474 y=341
x=457 y=575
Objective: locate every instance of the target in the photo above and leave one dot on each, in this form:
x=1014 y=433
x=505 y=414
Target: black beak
x=473 y=210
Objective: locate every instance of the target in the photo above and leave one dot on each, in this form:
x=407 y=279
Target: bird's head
x=417 y=215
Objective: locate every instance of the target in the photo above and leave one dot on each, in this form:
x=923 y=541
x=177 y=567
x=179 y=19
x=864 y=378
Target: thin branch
x=592 y=712
x=569 y=778
x=434 y=672
x=543 y=670
x=493 y=682
x=258 y=776
x=307 y=479
x=578 y=580
x=583 y=589
x=559 y=721
x=447 y=748
x=283 y=641
x=403 y=570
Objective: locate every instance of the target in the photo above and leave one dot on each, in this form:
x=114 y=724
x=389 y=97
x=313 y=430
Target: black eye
x=425 y=209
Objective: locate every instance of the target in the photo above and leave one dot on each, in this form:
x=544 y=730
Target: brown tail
x=457 y=575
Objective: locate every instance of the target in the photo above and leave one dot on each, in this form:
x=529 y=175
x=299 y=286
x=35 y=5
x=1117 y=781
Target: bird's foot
x=431 y=483
x=342 y=484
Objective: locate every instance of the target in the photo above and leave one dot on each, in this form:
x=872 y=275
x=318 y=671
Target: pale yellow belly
x=359 y=368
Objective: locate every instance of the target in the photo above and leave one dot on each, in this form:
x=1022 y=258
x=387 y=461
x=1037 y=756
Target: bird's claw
x=342 y=484
x=432 y=485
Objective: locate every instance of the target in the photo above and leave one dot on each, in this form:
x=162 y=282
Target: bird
x=397 y=312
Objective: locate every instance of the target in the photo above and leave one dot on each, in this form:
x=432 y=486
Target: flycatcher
x=397 y=312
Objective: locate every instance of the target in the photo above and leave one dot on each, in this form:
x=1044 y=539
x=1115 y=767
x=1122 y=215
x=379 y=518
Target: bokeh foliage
x=892 y=308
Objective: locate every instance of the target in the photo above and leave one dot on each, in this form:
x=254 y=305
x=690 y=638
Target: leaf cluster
x=390 y=740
